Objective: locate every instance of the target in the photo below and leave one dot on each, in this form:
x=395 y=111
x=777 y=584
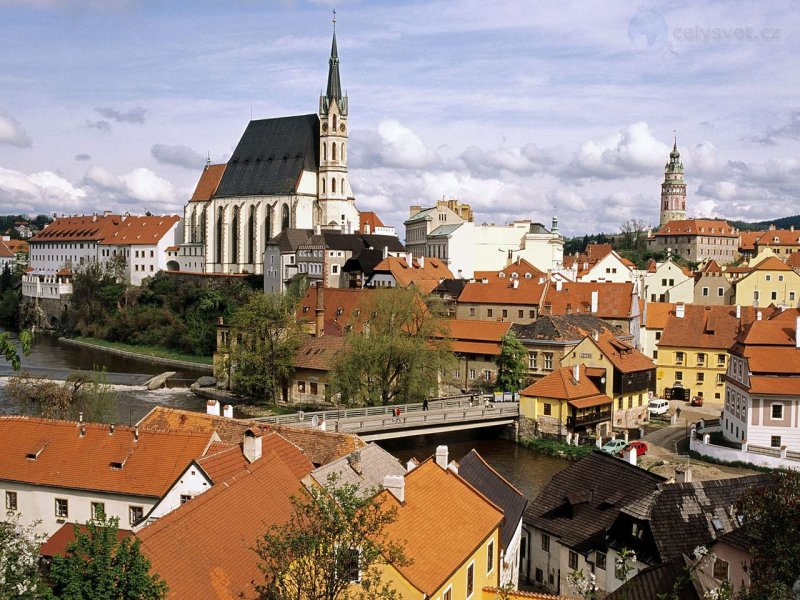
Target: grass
x=155 y=351
x=558 y=449
x=732 y=463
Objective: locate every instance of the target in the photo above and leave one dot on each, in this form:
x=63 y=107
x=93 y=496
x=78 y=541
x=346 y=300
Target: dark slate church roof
x=271 y=156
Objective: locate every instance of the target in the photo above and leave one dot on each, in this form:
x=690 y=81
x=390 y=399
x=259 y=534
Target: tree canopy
x=512 y=364
x=335 y=537
x=19 y=551
x=399 y=354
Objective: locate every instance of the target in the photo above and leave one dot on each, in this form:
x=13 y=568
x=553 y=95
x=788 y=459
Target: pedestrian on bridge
x=425 y=404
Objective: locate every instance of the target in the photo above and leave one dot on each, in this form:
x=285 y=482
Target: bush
x=556 y=448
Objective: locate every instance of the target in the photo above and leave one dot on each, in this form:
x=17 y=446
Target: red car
x=641 y=447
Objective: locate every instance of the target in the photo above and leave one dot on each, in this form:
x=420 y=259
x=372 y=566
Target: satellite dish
x=315 y=421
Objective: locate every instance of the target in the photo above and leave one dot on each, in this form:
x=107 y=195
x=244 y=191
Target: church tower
x=336 y=202
x=673 y=190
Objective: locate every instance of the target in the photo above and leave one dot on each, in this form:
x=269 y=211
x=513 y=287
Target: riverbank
x=146 y=353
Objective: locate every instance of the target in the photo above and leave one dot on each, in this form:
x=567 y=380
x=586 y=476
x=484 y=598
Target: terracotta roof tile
x=436 y=503
x=622 y=355
x=144 y=230
x=658 y=313
x=56 y=544
x=222 y=526
x=343 y=306
x=779 y=237
x=614 y=300
x=565 y=328
x=709 y=227
x=114 y=230
x=519 y=269
x=794 y=260
x=425 y=276
x=208 y=183
x=64 y=458
x=527 y=292
x=319 y=353
x=748 y=239
x=561 y=385
x=490 y=593
x=5 y=251
x=712 y=327
x=771 y=263
x=368 y=217
x=320 y=447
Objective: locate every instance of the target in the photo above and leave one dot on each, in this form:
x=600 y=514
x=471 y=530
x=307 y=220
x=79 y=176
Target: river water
x=527 y=470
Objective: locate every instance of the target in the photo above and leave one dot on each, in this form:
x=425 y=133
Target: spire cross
x=675 y=136
x=334 y=19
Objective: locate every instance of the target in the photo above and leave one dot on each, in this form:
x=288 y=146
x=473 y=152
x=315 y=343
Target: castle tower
x=673 y=190
x=336 y=202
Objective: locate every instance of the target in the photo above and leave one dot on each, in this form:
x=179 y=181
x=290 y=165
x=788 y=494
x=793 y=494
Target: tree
x=19 y=551
x=400 y=353
x=9 y=348
x=334 y=536
x=82 y=392
x=99 y=565
x=265 y=335
x=771 y=519
x=512 y=363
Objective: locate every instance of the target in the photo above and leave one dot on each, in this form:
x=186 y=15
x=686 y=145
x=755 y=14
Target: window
x=470 y=580
x=775 y=441
x=448 y=594
x=185 y=498
x=705 y=291
x=532 y=360
x=472 y=374
x=701 y=377
x=505 y=313
x=720 y=360
x=678 y=375
x=720 y=569
x=701 y=359
x=636 y=531
x=769 y=277
x=548 y=410
x=487 y=375
x=334 y=269
x=135 y=514
x=720 y=292
x=548 y=361
x=755 y=294
x=98 y=511
x=472 y=311
x=11 y=500
x=679 y=356
x=658 y=335
x=347 y=563
x=301 y=387
x=489 y=312
x=545 y=542
x=490 y=557
x=520 y=314
x=539 y=576
x=312 y=388
x=774 y=295
x=573 y=560
x=600 y=561
x=791 y=296
x=777 y=411
x=62 y=508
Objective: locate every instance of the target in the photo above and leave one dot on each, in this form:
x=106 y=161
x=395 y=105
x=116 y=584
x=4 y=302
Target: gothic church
x=287 y=172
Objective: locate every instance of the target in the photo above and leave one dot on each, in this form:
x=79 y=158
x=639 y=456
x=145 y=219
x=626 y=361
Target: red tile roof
x=204 y=549
x=519 y=268
x=208 y=183
x=779 y=237
x=343 y=307
x=771 y=263
x=614 y=300
x=65 y=459
x=794 y=260
x=707 y=227
x=319 y=353
x=367 y=217
x=748 y=239
x=56 y=544
x=424 y=273
x=561 y=385
x=5 y=251
x=132 y=231
x=622 y=355
x=710 y=327
x=113 y=230
x=658 y=313
x=442 y=521
x=526 y=292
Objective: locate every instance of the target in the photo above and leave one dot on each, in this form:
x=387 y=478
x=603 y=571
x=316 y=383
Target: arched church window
x=333 y=185
x=333 y=151
x=235 y=236
x=341 y=188
x=193 y=227
x=323 y=185
x=251 y=235
x=343 y=156
x=220 y=233
x=334 y=126
x=285 y=217
x=202 y=233
x=324 y=151
x=268 y=225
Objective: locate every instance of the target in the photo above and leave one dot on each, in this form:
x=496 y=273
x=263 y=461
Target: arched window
x=323 y=185
x=193 y=227
x=324 y=151
x=333 y=185
x=220 y=233
x=334 y=127
x=235 y=236
x=343 y=156
x=251 y=235
x=285 y=217
x=333 y=151
x=341 y=188
x=202 y=233
x=268 y=225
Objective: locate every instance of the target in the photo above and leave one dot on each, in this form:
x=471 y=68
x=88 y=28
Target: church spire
x=334 y=83
x=673 y=190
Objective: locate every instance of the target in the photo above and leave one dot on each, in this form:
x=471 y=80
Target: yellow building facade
x=771 y=281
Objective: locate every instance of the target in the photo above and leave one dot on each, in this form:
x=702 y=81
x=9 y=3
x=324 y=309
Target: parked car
x=614 y=446
x=696 y=401
x=658 y=406
x=641 y=447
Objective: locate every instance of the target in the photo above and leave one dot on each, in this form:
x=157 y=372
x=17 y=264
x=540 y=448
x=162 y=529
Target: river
x=527 y=470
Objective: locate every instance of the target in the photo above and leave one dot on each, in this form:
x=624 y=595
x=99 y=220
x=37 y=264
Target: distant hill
x=782 y=223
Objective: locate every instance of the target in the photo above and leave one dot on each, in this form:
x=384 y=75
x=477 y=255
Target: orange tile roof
x=442 y=522
x=132 y=231
x=65 y=459
x=491 y=593
x=476 y=331
x=622 y=355
x=368 y=217
x=794 y=260
x=320 y=447
x=711 y=327
x=711 y=266
x=319 y=353
x=528 y=292
x=771 y=360
x=614 y=300
x=208 y=183
x=777 y=386
x=343 y=306
x=708 y=227
x=658 y=313
x=56 y=544
x=771 y=263
x=748 y=239
x=561 y=385
x=785 y=237
x=92 y=228
x=221 y=527
x=425 y=276
x=5 y=251
x=775 y=332
x=519 y=268
x=16 y=245
x=598 y=400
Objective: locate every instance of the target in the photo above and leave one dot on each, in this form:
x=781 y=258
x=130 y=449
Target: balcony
x=589 y=419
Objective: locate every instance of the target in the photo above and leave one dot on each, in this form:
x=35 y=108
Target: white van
x=658 y=406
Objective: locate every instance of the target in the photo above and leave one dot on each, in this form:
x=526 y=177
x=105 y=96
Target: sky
x=521 y=109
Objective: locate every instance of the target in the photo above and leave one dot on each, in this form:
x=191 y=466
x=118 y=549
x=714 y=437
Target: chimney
x=758 y=316
x=354 y=460
x=411 y=464
x=680 y=310
x=136 y=434
x=111 y=429
x=559 y=285
x=251 y=444
x=441 y=456
x=317 y=229
x=595 y=335
x=367 y=228
x=396 y=484
x=414 y=209
x=683 y=474
x=80 y=417
x=227 y=411
x=576 y=373
x=212 y=407
x=595 y=299
x=319 y=328
x=515 y=283
x=83 y=430
x=409 y=260
x=421 y=261
x=629 y=454
x=738 y=312
x=797 y=333
x=386 y=252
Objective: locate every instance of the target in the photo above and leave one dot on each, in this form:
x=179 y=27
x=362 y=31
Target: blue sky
x=515 y=107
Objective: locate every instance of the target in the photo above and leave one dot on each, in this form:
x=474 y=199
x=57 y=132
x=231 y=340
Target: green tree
x=19 y=551
x=265 y=335
x=512 y=363
x=99 y=565
x=9 y=348
x=334 y=535
x=400 y=353
x=771 y=519
x=82 y=392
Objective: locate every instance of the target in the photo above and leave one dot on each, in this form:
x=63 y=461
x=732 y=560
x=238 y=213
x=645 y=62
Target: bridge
x=404 y=420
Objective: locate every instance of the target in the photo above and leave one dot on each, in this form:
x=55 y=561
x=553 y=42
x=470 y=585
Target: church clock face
x=342 y=127
x=324 y=127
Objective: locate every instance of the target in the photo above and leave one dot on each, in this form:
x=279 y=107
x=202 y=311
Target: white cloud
x=133 y=115
x=11 y=132
x=392 y=145
x=178 y=155
x=37 y=193
x=145 y=186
